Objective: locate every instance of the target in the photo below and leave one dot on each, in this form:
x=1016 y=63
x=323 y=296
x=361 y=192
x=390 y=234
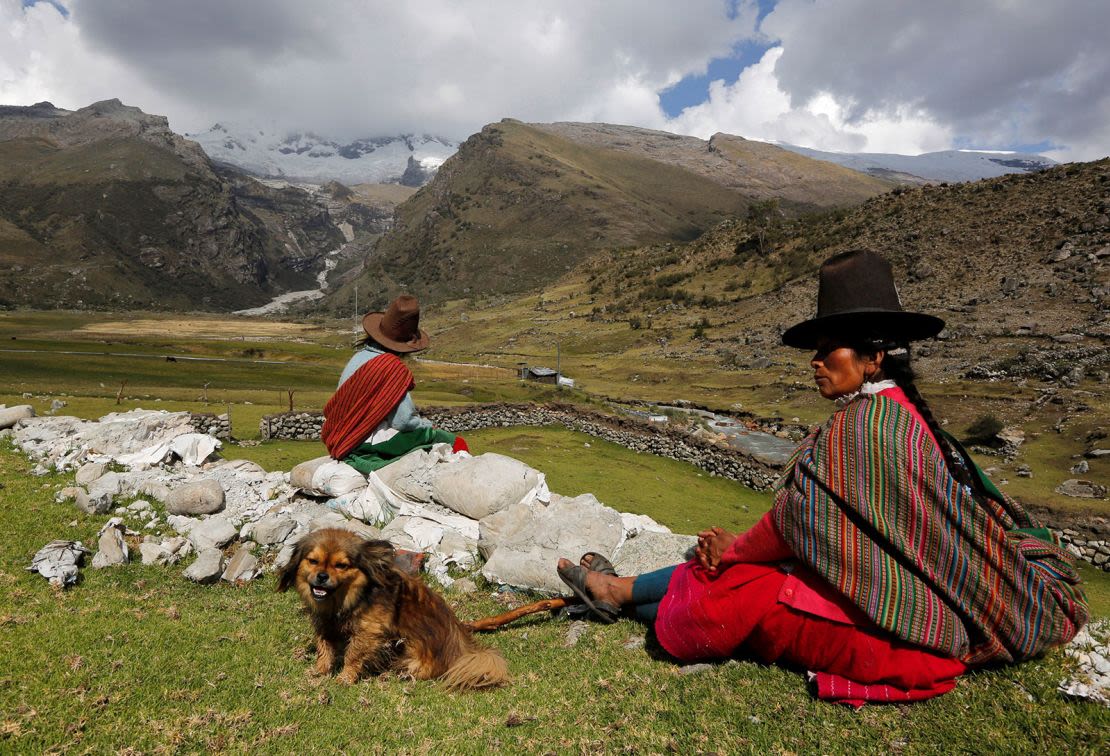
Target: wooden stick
x=492 y=623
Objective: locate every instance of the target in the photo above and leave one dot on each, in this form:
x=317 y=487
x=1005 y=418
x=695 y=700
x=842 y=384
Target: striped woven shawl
x=868 y=503
x=362 y=402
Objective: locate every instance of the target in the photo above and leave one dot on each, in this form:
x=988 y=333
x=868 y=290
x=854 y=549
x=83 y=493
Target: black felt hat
x=857 y=299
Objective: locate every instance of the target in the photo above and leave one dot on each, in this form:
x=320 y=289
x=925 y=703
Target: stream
x=279 y=303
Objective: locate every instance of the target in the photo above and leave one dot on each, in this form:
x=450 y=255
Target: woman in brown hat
x=888 y=564
x=371 y=419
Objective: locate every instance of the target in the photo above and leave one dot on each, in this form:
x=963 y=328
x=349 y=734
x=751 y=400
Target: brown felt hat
x=398 y=328
x=857 y=299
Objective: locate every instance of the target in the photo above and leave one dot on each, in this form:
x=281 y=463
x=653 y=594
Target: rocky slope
x=107 y=207
x=947 y=165
x=520 y=204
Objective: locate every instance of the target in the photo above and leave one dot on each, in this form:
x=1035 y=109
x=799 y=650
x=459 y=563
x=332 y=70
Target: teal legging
x=648 y=590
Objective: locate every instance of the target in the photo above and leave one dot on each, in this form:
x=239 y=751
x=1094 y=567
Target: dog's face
x=333 y=569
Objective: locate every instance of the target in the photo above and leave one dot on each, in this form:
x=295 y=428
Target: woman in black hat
x=888 y=564
x=371 y=419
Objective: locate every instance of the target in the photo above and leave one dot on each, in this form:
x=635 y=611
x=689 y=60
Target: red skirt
x=706 y=616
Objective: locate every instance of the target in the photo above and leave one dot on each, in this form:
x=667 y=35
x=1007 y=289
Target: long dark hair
x=367 y=341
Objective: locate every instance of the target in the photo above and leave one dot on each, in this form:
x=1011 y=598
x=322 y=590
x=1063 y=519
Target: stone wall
x=212 y=424
x=1090 y=547
x=297 y=426
x=630 y=433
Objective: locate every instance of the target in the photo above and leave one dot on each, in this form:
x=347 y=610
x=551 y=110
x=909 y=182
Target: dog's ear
x=289 y=574
x=375 y=558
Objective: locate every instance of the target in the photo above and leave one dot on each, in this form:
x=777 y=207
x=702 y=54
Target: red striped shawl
x=868 y=503
x=362 y=402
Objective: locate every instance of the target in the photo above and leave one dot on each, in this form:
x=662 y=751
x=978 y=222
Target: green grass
x=137 y=659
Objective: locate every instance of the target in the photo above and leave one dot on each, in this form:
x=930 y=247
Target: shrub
x=984 y=430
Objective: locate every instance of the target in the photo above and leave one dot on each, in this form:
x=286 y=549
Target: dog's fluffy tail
x=477 y=668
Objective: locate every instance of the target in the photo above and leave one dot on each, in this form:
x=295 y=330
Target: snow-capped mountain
x=406 y=159
x=948 y=165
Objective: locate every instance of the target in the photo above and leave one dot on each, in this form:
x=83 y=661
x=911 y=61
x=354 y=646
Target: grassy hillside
x=520 y=204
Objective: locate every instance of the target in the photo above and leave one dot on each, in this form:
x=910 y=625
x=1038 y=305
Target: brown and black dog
x=373 y=617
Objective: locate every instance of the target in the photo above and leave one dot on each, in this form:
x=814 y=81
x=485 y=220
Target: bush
x=984 y=430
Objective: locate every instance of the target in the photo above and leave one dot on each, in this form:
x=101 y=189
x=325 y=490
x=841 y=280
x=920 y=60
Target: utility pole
x=355 y=315
x=558 y=368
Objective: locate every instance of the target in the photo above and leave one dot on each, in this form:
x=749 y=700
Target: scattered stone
x=112 y=548
x=154 y=489
x=90 y=472
x=169 y=551
x=202 y=497
x=272 y=529
x=56 y=405
x=12 y=415
x=651 y=551
x=1080 y=468
x=207 y=568
x=59 y=561
x=1011 y=437
x=1096 y=453
x=1081 y=489
x=464 y=585
x=69 y=493
x=281 y=561
x=215 y=532
x=86 y=503
x=242 y=566
x=694 y=669
x=634 y=642
x=577 y=629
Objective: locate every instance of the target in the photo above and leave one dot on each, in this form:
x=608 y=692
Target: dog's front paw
x=318 y=671
x=348 y=677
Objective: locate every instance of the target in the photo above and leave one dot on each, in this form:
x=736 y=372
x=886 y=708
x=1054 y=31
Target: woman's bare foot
x=608 y=588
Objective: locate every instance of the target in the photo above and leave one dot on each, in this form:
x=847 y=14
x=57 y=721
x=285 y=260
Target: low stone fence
x=296 y=426
x=630 y=433
x=212 y=424
x=1088 y=546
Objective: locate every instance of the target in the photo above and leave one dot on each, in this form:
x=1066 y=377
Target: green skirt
x=366 y=458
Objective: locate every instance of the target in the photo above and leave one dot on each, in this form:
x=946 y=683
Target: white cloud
x=356 y=67
x=757 y=107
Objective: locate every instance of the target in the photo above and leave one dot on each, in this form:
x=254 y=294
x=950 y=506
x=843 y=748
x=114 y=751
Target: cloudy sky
x=904 y=76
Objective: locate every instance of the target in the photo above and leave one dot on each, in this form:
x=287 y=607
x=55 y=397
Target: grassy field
x=136 y=659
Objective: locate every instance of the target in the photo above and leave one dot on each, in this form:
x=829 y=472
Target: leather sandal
x=575 y=578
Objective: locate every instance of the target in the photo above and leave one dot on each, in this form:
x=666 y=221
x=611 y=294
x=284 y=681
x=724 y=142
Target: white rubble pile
x=457 y=508
x=1090 y=648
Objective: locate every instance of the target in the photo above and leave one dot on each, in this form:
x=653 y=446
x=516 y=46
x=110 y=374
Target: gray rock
x=242 y=566
x=56 y=405
x=1082 y=467
x=12 y=415
x=694 y=669
x=69 y=493
x=112 y=549
x=1081 y=489
x=154 y=490
x=1096 y=453
x=90 y=472
x=207 y=568
x=203 y=497
x=479 y=486
x=86 y=503
x=107 y=487
x=577 y=629
x=566 y=527
x=281 y=561
x=464 y=585
x=651 y=551
x=395 y=533
x=169 y=551
x=272 y=528
x=215 y=532
x=501 y=525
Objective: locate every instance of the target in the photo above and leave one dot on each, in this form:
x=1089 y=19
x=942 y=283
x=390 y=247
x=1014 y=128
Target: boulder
x=202 y=497
x=567 y=527
x=272 y=528
x=12 y=415
x=86 y=503
x=242 y=566
x=112 y=549
x=500 y=525
x=69 y=493
x=215 y=532
x=479 y=486
x=107 y=486
x=207 y=568
x=651 y=550
x=154 y=490
x=1081 y=489
x=90 y=472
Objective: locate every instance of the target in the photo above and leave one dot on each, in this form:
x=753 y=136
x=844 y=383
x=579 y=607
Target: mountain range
x=520 y=204
x=106 y=207
x=407 y=159
x=947 y=165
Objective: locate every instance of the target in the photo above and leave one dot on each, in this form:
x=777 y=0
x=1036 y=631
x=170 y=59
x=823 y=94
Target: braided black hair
x=896 y=366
